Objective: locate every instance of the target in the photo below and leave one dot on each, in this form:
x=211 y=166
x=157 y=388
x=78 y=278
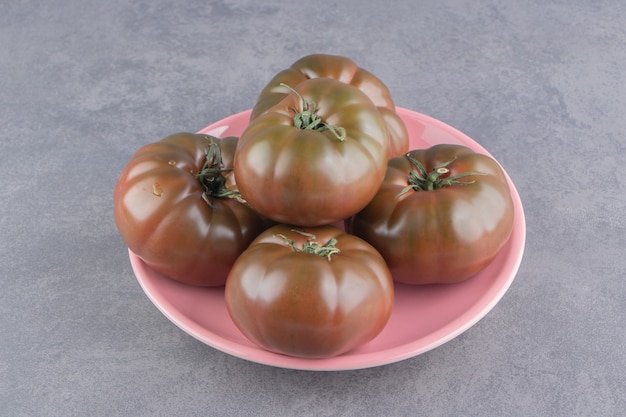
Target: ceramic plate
x=423 y=317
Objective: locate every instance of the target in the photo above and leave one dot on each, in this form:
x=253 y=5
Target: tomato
x=309 y=292
x=316 y=157
x=441 y=215
x=176 y=207
x=345 y=70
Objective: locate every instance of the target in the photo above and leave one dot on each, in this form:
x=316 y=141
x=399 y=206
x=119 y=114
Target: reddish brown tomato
x=175 y=208
x=310 y=292
x=316 y=157
x=345 y=70
x=442 y=223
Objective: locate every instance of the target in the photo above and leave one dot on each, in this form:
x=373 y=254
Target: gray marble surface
x=84 y=83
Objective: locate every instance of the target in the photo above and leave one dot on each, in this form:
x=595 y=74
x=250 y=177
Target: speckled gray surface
x=541 y=84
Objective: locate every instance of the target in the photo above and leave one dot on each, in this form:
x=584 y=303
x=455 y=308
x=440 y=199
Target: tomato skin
x=347 y=71
x=303 y=304
x=161 y=214
x=309 y=177
x=440 y=236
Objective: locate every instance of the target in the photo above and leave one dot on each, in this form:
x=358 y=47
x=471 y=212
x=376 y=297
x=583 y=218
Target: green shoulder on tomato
x=342 y=69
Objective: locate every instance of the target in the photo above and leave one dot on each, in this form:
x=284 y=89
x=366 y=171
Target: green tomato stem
x=421 y=180
x=326 y=250
x=211 y=176
x=307 y=118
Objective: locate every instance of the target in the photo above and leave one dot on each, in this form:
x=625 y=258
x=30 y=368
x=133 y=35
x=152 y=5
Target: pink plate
x=423 y=317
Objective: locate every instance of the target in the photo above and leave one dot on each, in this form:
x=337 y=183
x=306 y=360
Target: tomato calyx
x=307 y=118
x=421 y=180
x=211 y=177
x=327 y=250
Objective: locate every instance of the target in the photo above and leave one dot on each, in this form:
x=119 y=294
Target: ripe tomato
x=316 y=157
x=345 y=70
x=309 y=292
x=441 y=215
x=176 y=208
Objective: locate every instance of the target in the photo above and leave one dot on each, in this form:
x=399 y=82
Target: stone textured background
x=84 y=83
